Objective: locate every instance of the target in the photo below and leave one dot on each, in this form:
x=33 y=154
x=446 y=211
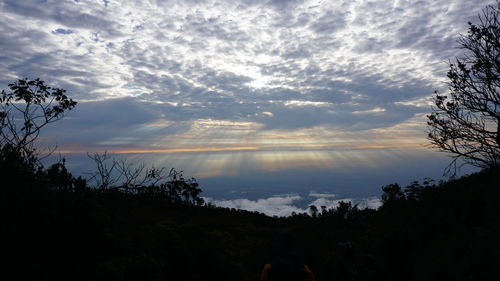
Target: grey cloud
x=330 y=22
x=339 y=114
x=41 y=64
x=114 y=112
x=26 y=8
x=68 y=15
x=214 y=27
x=340 y=118
x=82 y=20
x=297 y=52
x=370 y=44
x=278 y=94
x=81 y=83
x=282 y=4
x=292 y=20
x=247 y=104
x=220 y=108
x=93 y=122
x=299 y=117
x=427 y=25
x=14 y=41
x=137 y=57
x=224 y=80
x=195 y=63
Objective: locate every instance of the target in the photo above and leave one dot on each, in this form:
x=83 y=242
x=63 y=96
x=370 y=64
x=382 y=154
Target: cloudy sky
x=245 y=95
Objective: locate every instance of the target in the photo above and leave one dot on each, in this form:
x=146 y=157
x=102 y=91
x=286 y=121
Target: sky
x=271 y=105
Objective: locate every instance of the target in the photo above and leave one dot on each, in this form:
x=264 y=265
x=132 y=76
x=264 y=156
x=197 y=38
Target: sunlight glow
x=370 y=111
x=186 y=149
x=214 y=147
x=306 y=103
x=218 y=147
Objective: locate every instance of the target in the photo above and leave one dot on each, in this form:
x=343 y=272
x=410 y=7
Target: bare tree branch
x=466 y=123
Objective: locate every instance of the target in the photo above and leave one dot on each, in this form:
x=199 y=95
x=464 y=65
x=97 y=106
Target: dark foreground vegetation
x=55 y=227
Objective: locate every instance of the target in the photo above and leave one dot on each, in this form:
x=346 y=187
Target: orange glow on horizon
x=293 y=146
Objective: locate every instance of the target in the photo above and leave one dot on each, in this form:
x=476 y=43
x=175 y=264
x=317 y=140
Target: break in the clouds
x=236 y=75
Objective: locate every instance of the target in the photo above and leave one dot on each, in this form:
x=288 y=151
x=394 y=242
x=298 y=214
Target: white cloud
x=322 y=195
x=361 y=203
x=285 y=205
x=272 y=206
x=292 y=103
x=376 y=110
x=280 y=65
x=372 y=203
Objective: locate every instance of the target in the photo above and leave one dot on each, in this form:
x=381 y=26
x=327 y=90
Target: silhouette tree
x=345 y=209
x=115 y=175
x=392 y=192
x=25 y=110
x=466 y=123
x=313 y=210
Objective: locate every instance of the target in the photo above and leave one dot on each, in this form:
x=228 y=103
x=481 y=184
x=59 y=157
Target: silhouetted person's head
x=287 y=263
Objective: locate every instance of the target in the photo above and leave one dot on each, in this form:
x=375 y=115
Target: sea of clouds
x=286 y=204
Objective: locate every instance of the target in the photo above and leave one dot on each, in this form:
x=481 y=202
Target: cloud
x=330 y=22
x=273 y=206
x=321 y=195
x=66 y=14
x=361 y=203
x=113 y=122
x=285 y=205
x=286 y=65
x=62 y=31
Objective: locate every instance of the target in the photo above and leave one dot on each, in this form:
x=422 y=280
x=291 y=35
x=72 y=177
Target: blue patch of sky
x=130 y=86
x=95 y=37
x=62 y=31
x=138 y=27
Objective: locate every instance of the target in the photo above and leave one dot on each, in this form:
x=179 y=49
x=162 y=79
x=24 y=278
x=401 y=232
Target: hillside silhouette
x=56 y=227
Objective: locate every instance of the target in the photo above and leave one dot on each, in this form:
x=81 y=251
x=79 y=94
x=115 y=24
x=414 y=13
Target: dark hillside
x=448 y=232
x=422 y=232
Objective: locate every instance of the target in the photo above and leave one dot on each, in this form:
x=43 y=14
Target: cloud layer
x=285 y=205
x=264 y=75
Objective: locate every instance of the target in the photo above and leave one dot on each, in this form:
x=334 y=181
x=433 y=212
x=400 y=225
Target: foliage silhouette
x=114 y=175
x=25 y=110
x=63 y=229
x=466 y=124
x=29 y=107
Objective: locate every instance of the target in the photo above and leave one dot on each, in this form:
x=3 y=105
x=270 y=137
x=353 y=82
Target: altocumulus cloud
x=284 y=65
